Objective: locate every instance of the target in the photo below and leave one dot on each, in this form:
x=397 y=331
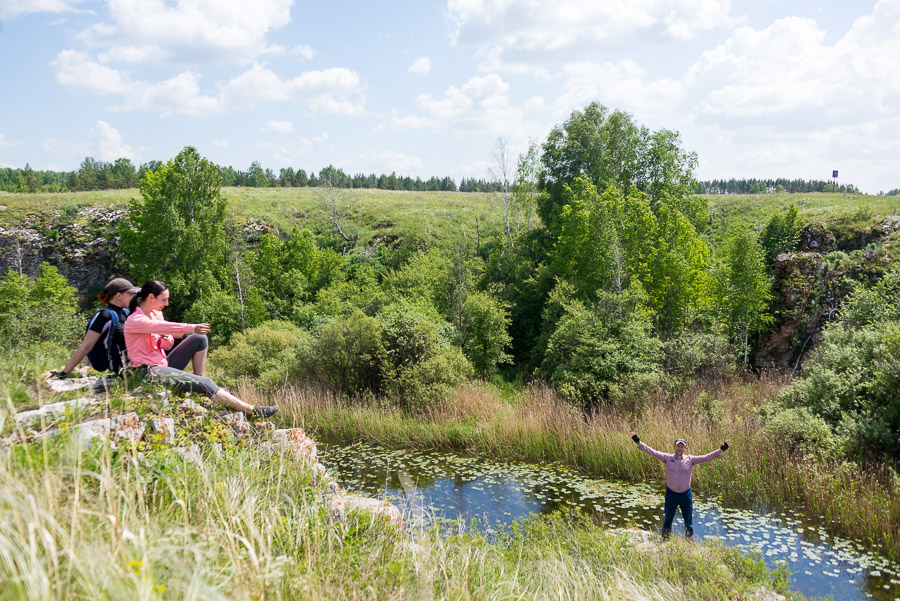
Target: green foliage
x=851 y=380
x=485 y=332
x=614 y=151
x=607 y=354
x=424 y=365
x=349 y=355
x=781 y=233
x=265 y=356
x=797 y=431
x=176 y=232
x=608 y=240
x=288 y=273
x=38 y=313
x=223 y=311
x=741 y=286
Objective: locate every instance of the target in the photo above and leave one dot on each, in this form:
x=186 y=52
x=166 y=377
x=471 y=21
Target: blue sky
x=764 y=88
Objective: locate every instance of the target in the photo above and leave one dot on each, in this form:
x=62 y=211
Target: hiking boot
x=689 y=533
x=263 y=411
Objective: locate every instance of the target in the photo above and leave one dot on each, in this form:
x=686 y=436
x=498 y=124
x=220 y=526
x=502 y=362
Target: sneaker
x=263 y=411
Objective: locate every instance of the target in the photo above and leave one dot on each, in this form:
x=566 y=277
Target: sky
x=758 y=88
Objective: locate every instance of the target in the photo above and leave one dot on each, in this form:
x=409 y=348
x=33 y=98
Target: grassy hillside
x=367 y=214
x=442 y=216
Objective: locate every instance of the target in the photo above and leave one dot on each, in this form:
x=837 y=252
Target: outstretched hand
x=201 y=328
x=725 y=445
x=635 y=437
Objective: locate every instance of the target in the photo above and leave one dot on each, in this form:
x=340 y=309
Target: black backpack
x=106 y=354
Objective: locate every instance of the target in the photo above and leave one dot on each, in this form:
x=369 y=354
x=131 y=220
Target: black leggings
x=174 y=377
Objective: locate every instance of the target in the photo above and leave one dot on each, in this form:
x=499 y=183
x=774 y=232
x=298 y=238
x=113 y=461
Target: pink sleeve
x=704 y=458
x=139 y=323
x=654 y=453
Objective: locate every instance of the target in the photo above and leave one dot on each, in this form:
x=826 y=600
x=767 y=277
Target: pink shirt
x=147 y=336
x=678 y=471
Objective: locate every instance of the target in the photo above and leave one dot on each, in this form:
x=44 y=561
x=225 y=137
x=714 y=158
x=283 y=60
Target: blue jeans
x=675 y=500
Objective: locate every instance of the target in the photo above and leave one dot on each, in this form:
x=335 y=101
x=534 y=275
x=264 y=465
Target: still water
x=427 y=484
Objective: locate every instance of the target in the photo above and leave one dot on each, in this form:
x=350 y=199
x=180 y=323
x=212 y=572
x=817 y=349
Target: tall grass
x=849 y=501
x=97 y=523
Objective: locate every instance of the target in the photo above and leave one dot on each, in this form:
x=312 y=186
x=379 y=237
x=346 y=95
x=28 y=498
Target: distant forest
x=765 y=186
x=122 y=173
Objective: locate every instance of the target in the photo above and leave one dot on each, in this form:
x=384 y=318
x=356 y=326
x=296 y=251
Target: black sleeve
x=636 y=439
x=99 y=322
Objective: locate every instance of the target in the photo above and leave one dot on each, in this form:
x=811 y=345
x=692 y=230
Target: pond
x=427 y=484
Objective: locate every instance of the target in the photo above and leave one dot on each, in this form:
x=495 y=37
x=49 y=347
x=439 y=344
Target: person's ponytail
x=154 y=287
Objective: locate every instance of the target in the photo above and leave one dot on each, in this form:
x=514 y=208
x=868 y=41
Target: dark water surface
x=427 y=484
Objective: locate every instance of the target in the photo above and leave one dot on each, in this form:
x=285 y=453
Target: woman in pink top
x=152 y=351
x=679 y=469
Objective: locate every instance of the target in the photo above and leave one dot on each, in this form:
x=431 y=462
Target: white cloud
x=621 y=85
x=388 y=161
x=421 y=66
x=10 y=9
x=109 y=143
x=521 y=33
x=333 y=91
x=480 y=105
x=305 y=52
x=186 y=31
x=788 y=67
x=279 y=127
x=105 y=144
x=295 y=151
x=4 y=143
x=221 y=143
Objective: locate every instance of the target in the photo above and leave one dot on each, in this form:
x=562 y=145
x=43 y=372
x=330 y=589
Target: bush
x=852 y=379
x=607 y=355
x=424 y=364
x=266 y=355
x=223 y=312
x=39 y=313
x=349 y=355
x=797 y=431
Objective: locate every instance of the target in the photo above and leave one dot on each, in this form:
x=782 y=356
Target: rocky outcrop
x=85 y=421
x=80 y=242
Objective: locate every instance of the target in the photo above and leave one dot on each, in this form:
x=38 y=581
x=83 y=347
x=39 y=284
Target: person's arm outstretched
x=650 y=450
x=710 y=456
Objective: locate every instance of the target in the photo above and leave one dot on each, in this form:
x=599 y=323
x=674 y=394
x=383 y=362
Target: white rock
x=53 y=410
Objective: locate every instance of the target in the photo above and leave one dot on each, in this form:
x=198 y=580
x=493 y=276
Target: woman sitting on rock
x=148 y=337
x=103 y=342
x=679 y=469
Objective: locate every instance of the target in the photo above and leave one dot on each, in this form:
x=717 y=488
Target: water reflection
x=427 y=484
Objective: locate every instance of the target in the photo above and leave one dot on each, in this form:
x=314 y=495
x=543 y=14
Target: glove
x=59 y=375
x=724 y=446
x=636 y=438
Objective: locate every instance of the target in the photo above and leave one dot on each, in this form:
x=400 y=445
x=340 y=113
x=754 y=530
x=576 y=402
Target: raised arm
x=650 y=450
x=710 y=456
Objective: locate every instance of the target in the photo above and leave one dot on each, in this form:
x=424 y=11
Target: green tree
x=749 y=285
x=485 y=332
x=176 y=230
x=611 y=149
x=38 y=313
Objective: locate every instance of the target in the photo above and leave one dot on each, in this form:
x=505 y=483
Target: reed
x=862 y=503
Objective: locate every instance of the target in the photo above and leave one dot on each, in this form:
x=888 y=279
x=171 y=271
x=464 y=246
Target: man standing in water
x=679 y=469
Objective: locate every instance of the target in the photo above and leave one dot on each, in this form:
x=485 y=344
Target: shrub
x=797 y=431
x=223 y=312
x=39 y=313
x=851 y=380
x=265 y=355
x=604 y=356
x=424 y=364
x=348 y=355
